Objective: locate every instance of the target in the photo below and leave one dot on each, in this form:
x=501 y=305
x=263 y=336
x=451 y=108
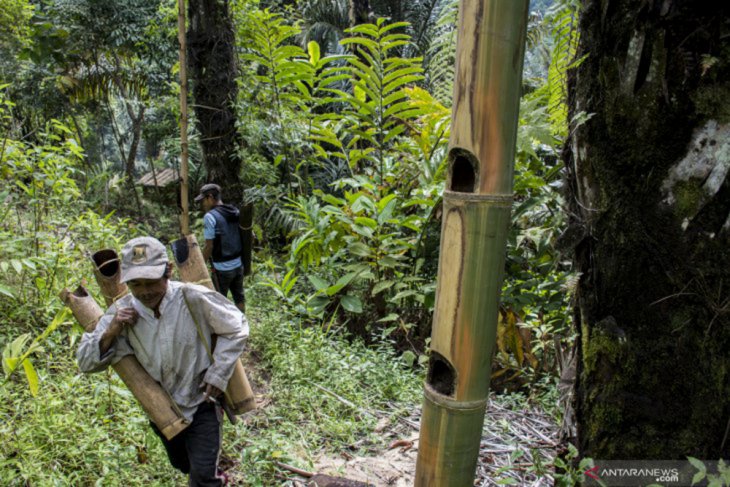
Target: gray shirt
x=170 y=348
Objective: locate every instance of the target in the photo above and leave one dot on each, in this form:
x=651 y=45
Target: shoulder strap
x=202 y=339
x=197 y=324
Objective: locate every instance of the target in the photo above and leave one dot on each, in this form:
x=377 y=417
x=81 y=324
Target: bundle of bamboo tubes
x=155 y=401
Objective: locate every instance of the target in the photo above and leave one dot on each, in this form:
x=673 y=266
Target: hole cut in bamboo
x=155 y=401
x=190 y=262
x=107 y=270
x=463 y=175
x=192 y=269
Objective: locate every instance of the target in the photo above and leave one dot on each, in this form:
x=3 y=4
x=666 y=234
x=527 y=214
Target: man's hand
x=124 y=317
x=211 y=393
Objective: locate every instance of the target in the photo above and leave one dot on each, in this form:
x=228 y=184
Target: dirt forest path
x=517 y=442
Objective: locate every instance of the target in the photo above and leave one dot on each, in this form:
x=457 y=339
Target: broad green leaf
x=318 y=283
x=6 y=291
x=333 y=200
x=698 y=477
x=389 y=27
x=32 y=377
x=390 y=317
x=387 y=212
x=351 y=304
x=359 y=249
x=395 y=132
x=368 y=222
x=314 y=54
x=698 y=464
x=10 y=364
x=382 y=286
x=404 y=294
x=317 y=304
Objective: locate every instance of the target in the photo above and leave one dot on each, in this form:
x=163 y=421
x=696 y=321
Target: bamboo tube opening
x=463 y=166
x=79 y=292
x=441 y=375
x=106 y=262
x=180 y=250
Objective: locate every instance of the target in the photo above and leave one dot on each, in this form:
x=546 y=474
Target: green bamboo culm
x=477 y=203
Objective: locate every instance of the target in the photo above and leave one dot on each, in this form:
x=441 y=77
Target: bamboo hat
x=143 y=258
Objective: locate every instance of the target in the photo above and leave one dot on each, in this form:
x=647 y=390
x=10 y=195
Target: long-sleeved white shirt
x=170 y=348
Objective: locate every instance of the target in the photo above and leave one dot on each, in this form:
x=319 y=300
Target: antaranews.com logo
x=666 y=473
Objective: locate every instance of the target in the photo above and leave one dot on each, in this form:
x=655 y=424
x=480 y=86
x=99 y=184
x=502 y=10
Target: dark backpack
x=227 y=244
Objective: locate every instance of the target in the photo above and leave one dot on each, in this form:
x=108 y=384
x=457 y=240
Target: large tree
x=213 y=69
x=650 y=203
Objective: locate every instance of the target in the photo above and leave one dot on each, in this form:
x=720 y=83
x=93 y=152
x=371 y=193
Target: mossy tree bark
x=650 y=203
x=213 y=70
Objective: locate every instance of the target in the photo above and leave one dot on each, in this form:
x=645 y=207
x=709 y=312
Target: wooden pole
x=477 y=203
x=184 y=198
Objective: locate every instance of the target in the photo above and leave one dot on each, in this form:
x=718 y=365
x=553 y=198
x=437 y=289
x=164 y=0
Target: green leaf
x=389 y=317
x=382 y=286
x=6 y=291
x=314 y=54
x=10 y=364
x=698 y=477
x=698 y=464
x=341 y=282
x=317 y=304
x=318 y=283
x=404 y=294
x=359 y=249
x=32 y=377
x=368 y=222
x=351 y=304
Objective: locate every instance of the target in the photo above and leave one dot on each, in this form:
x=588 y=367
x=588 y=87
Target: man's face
x=148 y=291
x=207 y=203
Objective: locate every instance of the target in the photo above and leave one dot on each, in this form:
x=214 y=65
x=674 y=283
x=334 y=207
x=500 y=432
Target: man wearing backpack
x=222 y=242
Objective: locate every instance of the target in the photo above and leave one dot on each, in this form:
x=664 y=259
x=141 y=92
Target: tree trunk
x=359 y=12
x=650 y=200
x=213 y=70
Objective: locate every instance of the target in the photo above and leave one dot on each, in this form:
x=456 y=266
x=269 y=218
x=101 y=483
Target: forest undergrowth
x=318 y=394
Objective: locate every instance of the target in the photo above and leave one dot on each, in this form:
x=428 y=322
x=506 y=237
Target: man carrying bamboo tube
x=223 y=243
x=167 y=325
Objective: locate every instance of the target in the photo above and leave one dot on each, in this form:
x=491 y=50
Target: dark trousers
x=232 y=280
x=195 y=450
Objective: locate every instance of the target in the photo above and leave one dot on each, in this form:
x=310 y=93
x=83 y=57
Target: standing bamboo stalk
x=185 y=213
x=477 y=203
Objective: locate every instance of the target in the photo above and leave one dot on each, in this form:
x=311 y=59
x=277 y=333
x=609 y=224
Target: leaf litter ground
x=518 y=447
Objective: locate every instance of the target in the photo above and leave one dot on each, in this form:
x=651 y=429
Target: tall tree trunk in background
x=359 y=12
x=650 y=202
x=213 y=70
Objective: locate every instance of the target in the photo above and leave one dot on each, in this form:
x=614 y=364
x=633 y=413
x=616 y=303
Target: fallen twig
x=295 y=470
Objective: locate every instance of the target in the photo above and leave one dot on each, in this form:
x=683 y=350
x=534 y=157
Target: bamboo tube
x=155 y=401
x=245 y=227
x=477 y=201
x=191 y=266
x=184 y=213
x=190 y=262
x=83 y=306
x=107 y=270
